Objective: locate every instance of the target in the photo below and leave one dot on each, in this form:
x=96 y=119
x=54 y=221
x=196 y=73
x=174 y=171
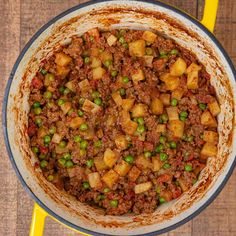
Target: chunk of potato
x=105 y=56
x=192 y=80
x=214 y=108
x=122 y=168
x=95 y=52
x=94 y=180
x=96 y=62
x=110 y=157
x=177 y=128
x=143 y=187
x=98 y=73
x=62 y=71
x=137 y=76
x=56 y=138
x=134 y=173
x=111 y=40
x=156 y=164
x=71 y=85
x=193 y=67
x=208 y=120
x=165 y=76
x=130 y=127
x=76 y=122
x=62 y=59
x=100 y=164
x=178 y=68
x=161 y=128
x=110 y=178
x=128 y=103
x=165 y=98
x=143 y=162
x=117 y=98
x=183 y=184
x=90 y=107
x=210 y=136
x=209 y=150
x=156 y=106
x=137 y=48
x=148 y=60
x=66 y=107
x=177 y=93
x=84 y=85
x=172 y=113
x=149 y=36
x=139 y=110
x=172 y=83
x=121 y=142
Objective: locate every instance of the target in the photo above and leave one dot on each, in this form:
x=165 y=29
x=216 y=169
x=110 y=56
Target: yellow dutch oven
x=185 y=30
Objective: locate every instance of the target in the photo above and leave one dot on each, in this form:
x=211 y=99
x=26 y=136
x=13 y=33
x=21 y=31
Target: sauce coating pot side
x=155 y=16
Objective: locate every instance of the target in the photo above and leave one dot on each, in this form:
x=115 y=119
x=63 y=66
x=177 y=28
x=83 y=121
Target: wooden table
x=19 y=20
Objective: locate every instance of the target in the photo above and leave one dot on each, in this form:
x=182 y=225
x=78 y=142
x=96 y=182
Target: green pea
x=163 y=156
x=114 y=203
x=106 y=190
x=67 y=156
x=42 y=156
x=100 y=197
x=114 y=73
x=36 y=104
x=86 y=185
x=50 y=104
x=77 y=138
x=163 y=56
x=82 y=152
x=166 y=166
x=98 y=143
x=43 y=71
x=162 y=53
x=129 y=159
x=52 y=130
x=125 y=79
x=173 y=145
x=122 y=32
x=188 y=168
x=164 y=118
x=107 y=63
x=125 y=45
x=159 y=148
x=61 y=102
x=122 y=91
x=35 y=150
x=47 y=139
x=95 y=94
x=89 y=163
x=62 y=144
x=50 y=178
x=81 y=101
x=83 y=127
x=62 y=89
x=141 y=129
x=38 y=121
x=98 y=101
x=62 y=161
x=190 y=138
x=47 y=95
x=174 y=52
x=122 y=40
x=162 y=139
x=49 y=77
x=86 y=60
x=66 y=91
x=162 y=200
x=158 y=189
x=83 y=144
x=182 y=118
x=43 y=163
x=147 y=154
x=80 y=113
x=69 y=164
x=37 y=110
x=149 y=51
x=174 y=102
x=140 y=120
x=202 y=106
x=184 y=114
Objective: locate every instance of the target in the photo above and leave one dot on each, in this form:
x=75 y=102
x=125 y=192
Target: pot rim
x=5 y=103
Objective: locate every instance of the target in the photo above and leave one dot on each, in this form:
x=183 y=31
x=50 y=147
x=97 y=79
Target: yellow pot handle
x=209 y=14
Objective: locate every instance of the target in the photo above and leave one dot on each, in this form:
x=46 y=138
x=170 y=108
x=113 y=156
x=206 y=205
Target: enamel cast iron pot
x=185 y=30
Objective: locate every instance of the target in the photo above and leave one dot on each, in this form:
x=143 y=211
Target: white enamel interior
x=179 y=209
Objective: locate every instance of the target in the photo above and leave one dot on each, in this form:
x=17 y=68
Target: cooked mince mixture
x=123 y=120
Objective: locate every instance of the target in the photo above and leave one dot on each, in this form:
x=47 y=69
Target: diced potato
x=137 y=76
x=172 y=113
x=172 y=83
x=143 y=162
x=192 y=80
x=177 y=93
x=139 y=110
x=111 y=40
x=210 y=136
x=66 y=107
x=164 y=77
x=71 y=85
x=95 y=52
x=94 y=180
x=85 y=85
x=183 y=185
x=117 y=98
x=105 y=55
x=42 y=132
x=98 y=73
x=130 y=127
x=178 y=68
x=56 y=138
x=165 y=98
x=76 y=122
x=143 y=187
x=121 y=142
x=62 y=71
x=208 y=120
x=148 y=60
x=62 y=59
x=91 y=107
x=127 y=103
x=156 y=106
x=149 y=36
x=137 y=48
x=214 y=108
x=122 y=168
x=209 y=150
x=110 y=157
x=193 y=67
x=100 y=164
x=156 y=164
x=134 y=173
x=177 y=128
x=110 y=178
x=96 y=62
x=161 y=128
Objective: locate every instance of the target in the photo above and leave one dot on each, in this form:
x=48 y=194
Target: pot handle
x=209 y=14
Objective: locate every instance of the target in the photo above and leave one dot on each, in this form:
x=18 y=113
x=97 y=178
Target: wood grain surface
x=19 y=20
